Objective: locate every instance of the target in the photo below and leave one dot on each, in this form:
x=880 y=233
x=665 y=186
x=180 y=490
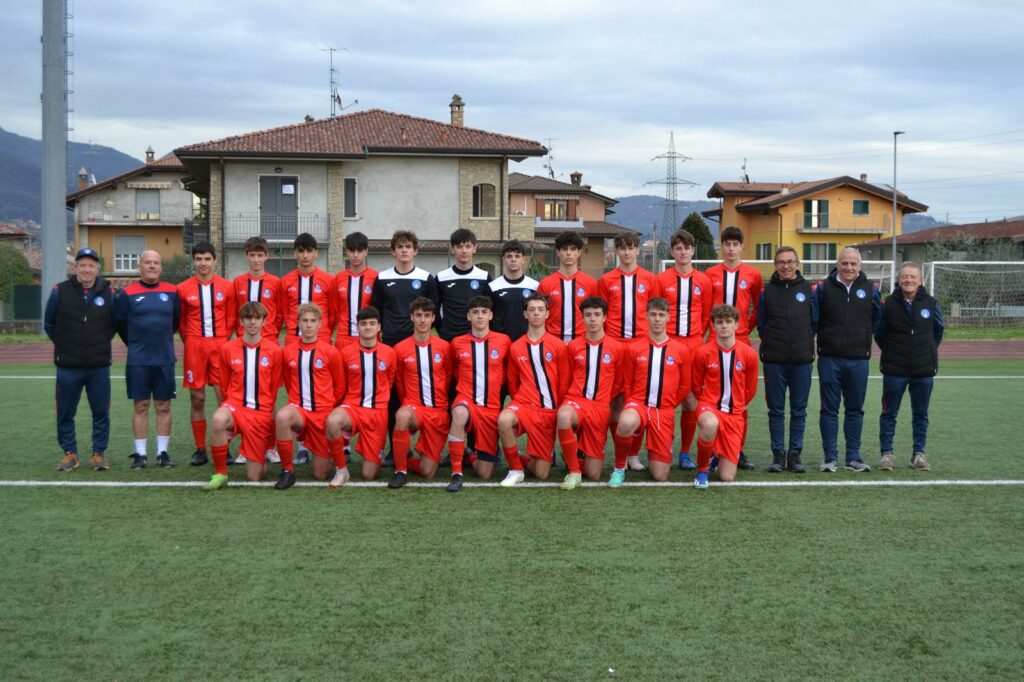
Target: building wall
x=166 y=240
x=474 y=172
x=242 y=185
x=175 y=202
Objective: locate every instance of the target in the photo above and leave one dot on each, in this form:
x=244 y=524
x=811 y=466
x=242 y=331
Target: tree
x=177 y=269
x=695 y=225
x=15 y=270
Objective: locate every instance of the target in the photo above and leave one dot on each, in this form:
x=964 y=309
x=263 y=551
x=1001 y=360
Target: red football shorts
x=314 y=430
x=659 y=423
x=432 y=424
x=371 y=423
x=483 y=421
x=202 y=361
x=256 y=428
x=729 y=439
x=540 y=428
x=592 y=432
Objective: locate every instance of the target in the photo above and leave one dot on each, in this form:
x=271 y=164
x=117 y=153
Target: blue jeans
x=892 y=396
x=847 y=380
x=778 y=377
x=70 y=382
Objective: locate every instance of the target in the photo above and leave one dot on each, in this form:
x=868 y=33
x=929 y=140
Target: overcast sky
x=801 y=90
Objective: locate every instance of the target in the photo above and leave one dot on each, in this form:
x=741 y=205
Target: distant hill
x=640 y=211
x=21 y=160
x=915 y=222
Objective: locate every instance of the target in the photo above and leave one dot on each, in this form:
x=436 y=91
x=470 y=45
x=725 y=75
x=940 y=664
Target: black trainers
x=398 y=479
x=793 y=462
x=199 y=457
x=285 y=480
x=745 y=463
x=138 y=461
x=456 y=484
x=445 y=463
x=164 y=460
x=778 y=464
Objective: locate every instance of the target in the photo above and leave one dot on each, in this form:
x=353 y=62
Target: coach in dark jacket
x=849 y=308
x=909 y=335
x=79 y=319
x=787 y=314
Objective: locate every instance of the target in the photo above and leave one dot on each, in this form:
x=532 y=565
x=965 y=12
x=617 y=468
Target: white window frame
x=128 y=262
x=479 y=202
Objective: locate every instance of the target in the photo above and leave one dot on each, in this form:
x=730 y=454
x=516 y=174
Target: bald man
x=147 y=314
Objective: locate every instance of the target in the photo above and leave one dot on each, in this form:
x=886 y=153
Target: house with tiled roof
x=144 y=208
x=371 y=171
x=819 y=218
x=914 y=246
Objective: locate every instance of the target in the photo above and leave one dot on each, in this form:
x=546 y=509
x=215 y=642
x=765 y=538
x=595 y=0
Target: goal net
x=978 y=293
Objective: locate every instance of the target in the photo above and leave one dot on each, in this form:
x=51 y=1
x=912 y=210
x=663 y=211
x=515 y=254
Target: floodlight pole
x=895 y=136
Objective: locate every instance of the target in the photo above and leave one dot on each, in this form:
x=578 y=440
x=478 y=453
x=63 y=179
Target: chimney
x=863 y=177
x=83 y=178
x=576 y=177
x=785 y=190
x=149 y=154
x=457 y=106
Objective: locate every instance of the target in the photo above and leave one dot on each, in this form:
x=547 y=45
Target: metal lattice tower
x=671 y=181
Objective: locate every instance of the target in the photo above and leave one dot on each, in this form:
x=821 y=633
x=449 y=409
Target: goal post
x=978 y=293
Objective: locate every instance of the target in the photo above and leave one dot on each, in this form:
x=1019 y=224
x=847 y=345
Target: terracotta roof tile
x=1005 y=229
x=170 y=162
x=595 y=228
x=7 y=230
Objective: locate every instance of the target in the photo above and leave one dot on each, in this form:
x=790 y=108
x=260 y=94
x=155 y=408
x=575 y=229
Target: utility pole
x=53 y=239
x=671 y=181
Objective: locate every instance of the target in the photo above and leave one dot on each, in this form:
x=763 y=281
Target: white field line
x=37 y=377
x=548 y=484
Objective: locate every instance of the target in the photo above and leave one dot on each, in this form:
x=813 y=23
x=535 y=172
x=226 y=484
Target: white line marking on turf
x=906 y=483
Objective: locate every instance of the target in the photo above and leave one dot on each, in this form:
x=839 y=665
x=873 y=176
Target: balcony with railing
x=282 y=227
x=841 y=223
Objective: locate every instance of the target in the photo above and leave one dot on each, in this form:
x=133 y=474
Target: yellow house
x=817 y=218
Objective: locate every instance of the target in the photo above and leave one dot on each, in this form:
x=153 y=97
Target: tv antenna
x=550 y=158
x=746 y=178
x=336 y=105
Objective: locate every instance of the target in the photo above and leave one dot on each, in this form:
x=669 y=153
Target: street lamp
x=895 y=135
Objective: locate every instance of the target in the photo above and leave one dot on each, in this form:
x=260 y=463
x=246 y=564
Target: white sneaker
x=273 y=457
x=513 y=478
x=240 y=459
x=340 y=478
x=633 y=463
x=572 y=481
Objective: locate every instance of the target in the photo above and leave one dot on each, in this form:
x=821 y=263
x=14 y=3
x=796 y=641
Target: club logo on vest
x=416 y=284
x=101 y=302
x=319 y=363
x=801 y=297
x=265 y=361
x=474 y=285
x=926 y=313
x=494 y=354
x=607 y=358
x=164 y=298
x=220 y=295
x=527 y=293
x=861 y=293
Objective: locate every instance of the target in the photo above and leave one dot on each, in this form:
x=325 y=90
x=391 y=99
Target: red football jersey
x=740 y=287
x=349 y=294
x=725 y=377
x=659 y=373
x=207 y=310
x=424 y=371
x=297 y=289
x=627 y=294
x=265 y=290
x=565 y=294
x=598 y=369
x=538 y=372
x=689 y=302
x=479 y=365
x=369 y=373
x=314 y=375
x=251 y=375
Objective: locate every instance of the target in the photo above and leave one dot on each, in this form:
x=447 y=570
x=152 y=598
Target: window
x=860 y=207
x=820 y=251
x=764 y=251
x=351 y=198
x=816 y=214
x=147 y=204
x=483 y=201
x=556 y=209
x=126 y=251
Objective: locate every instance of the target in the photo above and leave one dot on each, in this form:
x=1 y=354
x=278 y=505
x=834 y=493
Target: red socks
x=220 y=457
x=704 y=454
x=512 y=457
x=456 y=448
x=199 y=433
x=567 y=439
x=286 y=451
x=623 y=444
x=688 y=427
x=336 y=448
x=400 y=443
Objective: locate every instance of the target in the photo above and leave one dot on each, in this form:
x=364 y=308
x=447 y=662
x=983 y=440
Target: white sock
x=161 y=443
x=140 y=446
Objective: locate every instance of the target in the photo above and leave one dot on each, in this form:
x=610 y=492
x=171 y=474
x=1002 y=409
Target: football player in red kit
x=259 y=285
x=598 y=366
x=724 y=376
x=422 y=378
x=659 y=381
x=314 y=378
x=251 y=377
x=369 y=373
x=306 y=284
x=478 y=359
x=352 y=288
x=538 y=377
x=566 y=288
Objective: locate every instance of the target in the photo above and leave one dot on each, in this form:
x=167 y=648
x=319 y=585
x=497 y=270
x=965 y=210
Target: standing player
x=688 y=292
x=422 y=377
x=598 y=366
x=479 y=359
x=147 y=313
x=306 y=284
x=510 y=292
x=538 y=377
x=207 y=320
x=659 y=370
x=567 y=288
x=251 y=367
x=724 y=381
x=314 y=378
x=737 y=284
x=352 y=289
x=458 y=284
x=369 y=373
x=258 y=285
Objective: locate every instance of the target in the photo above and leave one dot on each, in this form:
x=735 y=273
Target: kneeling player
x=479 y=360
x=724 y=381
x=421 y=380
x=598 y=365
x=369 y=372
x=538 y=376
x=659 y=381
x=251 y=374
x=315 y=380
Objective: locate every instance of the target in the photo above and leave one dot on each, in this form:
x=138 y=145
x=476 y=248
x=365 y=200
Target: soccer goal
x=879 y=271
x=978 y=293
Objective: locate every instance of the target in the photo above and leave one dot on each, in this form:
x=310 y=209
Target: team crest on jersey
x=743 y=284
x=926 y=313
x=641 y=288
x=801 y=297
x=861 y=293
x=696 y=290
x=437 y=358
x=670 y=360
x=494 y=354
x=580 y=292
x=527 y=293
x=739 y=365
x=265 y=361
x=367 y=289
x=319 y=363
x=606 y=358
x=165 y=298
x=100 y=302
x=266 y=293
x=317 y=288
x=220 y=295
x=416 y=284
x=549 y=356
x=382 y=365
x=474 y=285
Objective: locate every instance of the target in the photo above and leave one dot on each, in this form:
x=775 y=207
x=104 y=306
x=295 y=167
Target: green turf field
x=734 y=582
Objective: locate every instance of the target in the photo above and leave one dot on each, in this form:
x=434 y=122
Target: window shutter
x=807 y=252
x=832 y=251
